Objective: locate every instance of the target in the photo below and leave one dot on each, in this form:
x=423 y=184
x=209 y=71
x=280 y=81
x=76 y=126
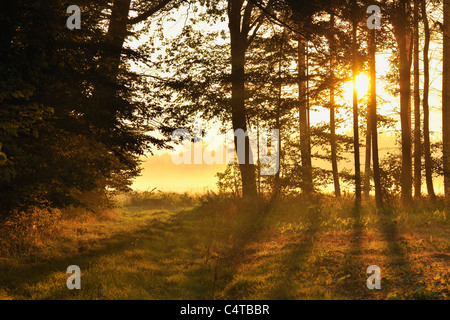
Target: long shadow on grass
x=352 y=274
x=398 y=260
x=295 y=267
x=29 y=273
x=253 y=217
x=19 y=280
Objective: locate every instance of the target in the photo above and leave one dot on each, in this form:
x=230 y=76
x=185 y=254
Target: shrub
x=23 y=233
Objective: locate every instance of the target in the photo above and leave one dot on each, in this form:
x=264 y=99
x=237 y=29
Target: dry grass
x=225 y=248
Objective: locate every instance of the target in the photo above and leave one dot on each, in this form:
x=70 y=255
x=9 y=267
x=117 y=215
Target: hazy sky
x=160 y=172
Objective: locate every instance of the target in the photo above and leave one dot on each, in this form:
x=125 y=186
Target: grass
x=222 y=248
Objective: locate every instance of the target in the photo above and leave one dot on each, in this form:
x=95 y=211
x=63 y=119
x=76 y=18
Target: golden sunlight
x=362 y=87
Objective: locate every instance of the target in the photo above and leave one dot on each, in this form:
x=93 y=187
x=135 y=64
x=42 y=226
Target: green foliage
x=22 y=235
x=156 y=200
x=67 y=123
x=229 y=180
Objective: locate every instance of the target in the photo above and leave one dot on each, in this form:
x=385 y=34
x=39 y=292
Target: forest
x=337 y=159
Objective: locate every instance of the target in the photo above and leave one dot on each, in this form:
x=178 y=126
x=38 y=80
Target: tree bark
x=278 y=116
x=258 y=161
x=334 y=165
x=109 y=63
x=446 y=100
x=303 y=120
x=238 y=49
x=355 y=109
x=426 y=110
x=368 y=155
x=110 y=60
x=117 y=33
x=403 y=37
x=373 y=118
x=417 y=133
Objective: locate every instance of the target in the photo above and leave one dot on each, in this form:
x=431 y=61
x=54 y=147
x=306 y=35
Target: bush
x=23 y=233
x=157 y=200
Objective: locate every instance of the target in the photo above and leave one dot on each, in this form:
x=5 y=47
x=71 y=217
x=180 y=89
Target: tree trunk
x=373 y=118
x=278 y=116
x=355 y=111
x=426 y=110
x=368 y=155
x=110 y=60
x=238 y=49
x=334 y=165
x=417 y=134
x=403 y=36
x=446 y=100
x=117 y=33
x=258 y=161
x=303 y=119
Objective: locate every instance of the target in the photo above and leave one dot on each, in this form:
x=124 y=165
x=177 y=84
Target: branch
x=149 y=12
x=258 y=22
x=257 y=25
x=275 y=19
x=246 y=19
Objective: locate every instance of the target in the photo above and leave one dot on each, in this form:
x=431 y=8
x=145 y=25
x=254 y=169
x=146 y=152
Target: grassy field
x=211 y=247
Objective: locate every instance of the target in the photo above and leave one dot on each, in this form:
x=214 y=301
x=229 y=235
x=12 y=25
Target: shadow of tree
x=398 y=262
x=353 y=266
x=250 y=231
x=294 y=262
x=18 y=280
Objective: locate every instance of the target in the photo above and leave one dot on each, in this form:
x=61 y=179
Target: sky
x=160 y=172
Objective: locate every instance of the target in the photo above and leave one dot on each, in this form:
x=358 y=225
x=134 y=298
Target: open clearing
x=217 y=250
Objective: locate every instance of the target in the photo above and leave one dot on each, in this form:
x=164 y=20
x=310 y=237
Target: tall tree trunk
x=403 y=37
x=355 y=109
x=446 y=100
x=426 y=109
x=117 y=33
x=373 y=118
x=238 y=49
x=258 y=163
x=334 y=165
x=417 y=134
x=278 y=115
x=308 y=114
x=303 y=119
x=367 y=157
x=110 y=60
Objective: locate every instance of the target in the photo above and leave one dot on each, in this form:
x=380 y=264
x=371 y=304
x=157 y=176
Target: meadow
x=180 y=246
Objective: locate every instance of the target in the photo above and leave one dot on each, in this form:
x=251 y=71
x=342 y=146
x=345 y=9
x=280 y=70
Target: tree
x=417 y=121
x=446 y=99
x=337 y=188
x=368 y=155
x=354 y=12
x=426 y=109
x=57 y=139
x=373 y=117
x=243 y=27
x=400 y=18
x=305 y=144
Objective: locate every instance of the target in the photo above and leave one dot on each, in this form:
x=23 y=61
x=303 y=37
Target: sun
x=362 y=88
